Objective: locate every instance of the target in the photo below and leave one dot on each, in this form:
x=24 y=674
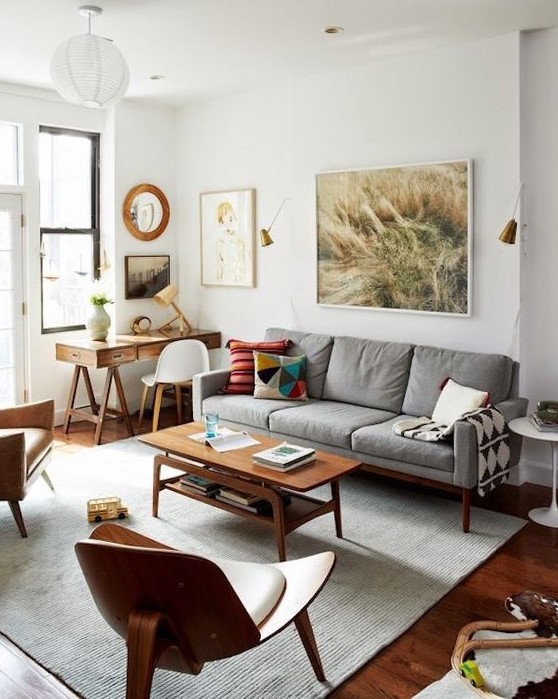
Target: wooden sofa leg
x=466 y=509
x=16 y=512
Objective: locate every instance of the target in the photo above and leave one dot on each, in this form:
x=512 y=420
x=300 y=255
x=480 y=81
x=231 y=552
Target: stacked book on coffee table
x=545 y=418
x=199 y=485
x=284 y=457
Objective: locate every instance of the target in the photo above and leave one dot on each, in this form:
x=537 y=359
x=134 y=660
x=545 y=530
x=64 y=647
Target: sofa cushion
x=241 y=379
x=368 y=373
x=246 y=410
x=455 y=400
x=281 y=378
x=326 y=422
x=380 y=440
x=317 y=349
x=432 y=365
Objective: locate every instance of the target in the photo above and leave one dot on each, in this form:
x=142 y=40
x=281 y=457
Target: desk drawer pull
x=75 y=355
x=117 y=355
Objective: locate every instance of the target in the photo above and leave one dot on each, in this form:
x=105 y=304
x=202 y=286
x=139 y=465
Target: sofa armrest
x=465 y=443
x=12 y=466
x=512 y=408
x=206 y=384
x=40 y=414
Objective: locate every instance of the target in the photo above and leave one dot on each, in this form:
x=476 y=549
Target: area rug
x=401 y=553
x=515 y=673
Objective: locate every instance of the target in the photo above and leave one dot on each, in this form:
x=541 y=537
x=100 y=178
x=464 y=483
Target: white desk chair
x=177 y=364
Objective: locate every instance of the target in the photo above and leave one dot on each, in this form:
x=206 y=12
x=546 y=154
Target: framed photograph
x=227 y=237
x=397 y=238
x=145 y=275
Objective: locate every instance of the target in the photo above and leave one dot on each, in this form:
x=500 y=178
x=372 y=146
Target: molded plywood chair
x=177 y=611
x=26 y=437
x=177 y=364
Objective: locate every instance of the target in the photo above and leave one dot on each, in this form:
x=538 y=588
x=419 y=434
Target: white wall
x=45 y=377
x=539 y=155
x=460 y=102
x=144 y=152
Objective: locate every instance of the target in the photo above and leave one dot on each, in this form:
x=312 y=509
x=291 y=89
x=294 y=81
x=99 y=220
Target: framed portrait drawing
x=145 y=275
x=397 y=237
x=227 y=237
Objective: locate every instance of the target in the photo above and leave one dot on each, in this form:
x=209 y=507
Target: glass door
x=11 y=301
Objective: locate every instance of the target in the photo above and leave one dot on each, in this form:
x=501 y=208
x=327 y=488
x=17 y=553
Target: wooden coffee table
x=235 y=469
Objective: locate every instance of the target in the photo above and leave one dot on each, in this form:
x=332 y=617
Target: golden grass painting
x=395 y=237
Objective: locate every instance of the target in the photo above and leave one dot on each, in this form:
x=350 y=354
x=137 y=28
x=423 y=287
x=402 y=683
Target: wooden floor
x=527 y=562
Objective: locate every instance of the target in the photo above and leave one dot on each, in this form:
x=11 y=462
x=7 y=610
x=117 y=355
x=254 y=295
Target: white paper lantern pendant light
x=89 y=70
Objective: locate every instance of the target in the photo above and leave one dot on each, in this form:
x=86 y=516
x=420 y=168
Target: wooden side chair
x=26 y=438
x=177 y=364
x=177 y=611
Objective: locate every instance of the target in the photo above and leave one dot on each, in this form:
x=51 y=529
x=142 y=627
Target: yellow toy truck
x=105 y=508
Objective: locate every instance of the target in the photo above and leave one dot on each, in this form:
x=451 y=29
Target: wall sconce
x=165 y=298
x=265 y=238
x=507 y=236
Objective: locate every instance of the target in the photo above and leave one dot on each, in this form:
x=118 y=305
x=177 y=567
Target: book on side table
x=284 y=457
x=545 y=419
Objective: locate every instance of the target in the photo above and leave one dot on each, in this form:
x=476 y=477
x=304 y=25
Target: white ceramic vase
x=98 y=323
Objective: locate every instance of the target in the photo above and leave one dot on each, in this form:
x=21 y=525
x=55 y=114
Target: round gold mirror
x=146 y=211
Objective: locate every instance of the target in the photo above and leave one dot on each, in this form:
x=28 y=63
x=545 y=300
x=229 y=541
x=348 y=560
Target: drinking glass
x=211 y=421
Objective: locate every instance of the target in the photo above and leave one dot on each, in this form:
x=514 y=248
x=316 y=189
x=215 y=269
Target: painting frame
x=410 y=224
x=227 y=237
x=145 y=275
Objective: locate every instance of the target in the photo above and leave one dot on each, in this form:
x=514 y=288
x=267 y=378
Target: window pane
x=65 y=173
x=9 y=154
x=67 y=276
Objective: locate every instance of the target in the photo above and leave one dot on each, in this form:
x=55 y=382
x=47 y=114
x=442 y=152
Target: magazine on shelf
x=226 y=439
x=238 y=496
x=284 y=454
x=211 y=493
x=288 y=467
x=204 y=485
x=260 y=507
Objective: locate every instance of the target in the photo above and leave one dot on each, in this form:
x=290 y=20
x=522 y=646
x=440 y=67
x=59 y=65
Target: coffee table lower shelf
x=283 y=518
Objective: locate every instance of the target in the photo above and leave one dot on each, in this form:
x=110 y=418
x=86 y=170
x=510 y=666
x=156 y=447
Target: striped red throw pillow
x=241 y=381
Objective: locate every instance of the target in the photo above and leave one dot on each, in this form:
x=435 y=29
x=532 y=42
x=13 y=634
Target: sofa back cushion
x=370 y=373
x=317 y=349
x=432 y=365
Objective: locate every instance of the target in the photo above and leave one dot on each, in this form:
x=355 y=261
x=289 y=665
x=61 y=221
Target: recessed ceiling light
x=156 y=77
x=333 y=30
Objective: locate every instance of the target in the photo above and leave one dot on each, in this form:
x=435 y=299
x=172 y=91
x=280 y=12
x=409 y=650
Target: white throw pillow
x=455 y=400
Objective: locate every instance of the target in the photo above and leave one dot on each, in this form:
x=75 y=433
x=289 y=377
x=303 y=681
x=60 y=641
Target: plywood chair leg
x=47 y=480
x=143 y=402
x=304 y=628
x=142 y=653
x=16 y=512
x=157 y=405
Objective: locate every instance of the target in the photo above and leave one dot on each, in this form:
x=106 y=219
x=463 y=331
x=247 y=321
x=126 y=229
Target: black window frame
x=94 y=231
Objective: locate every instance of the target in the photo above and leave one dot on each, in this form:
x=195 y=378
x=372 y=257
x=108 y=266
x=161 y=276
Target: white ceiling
x=207 y=47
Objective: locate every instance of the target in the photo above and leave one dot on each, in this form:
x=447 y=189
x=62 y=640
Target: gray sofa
x=357 y=389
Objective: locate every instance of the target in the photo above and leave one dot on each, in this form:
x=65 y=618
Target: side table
x=523 y=426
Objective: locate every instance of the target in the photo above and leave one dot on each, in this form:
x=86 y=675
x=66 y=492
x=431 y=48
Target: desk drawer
x=152 y=350
x=96 y=358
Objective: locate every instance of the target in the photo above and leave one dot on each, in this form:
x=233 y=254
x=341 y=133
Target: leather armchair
x=26 y=438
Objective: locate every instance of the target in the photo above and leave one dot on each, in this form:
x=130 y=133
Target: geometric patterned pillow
x=241 y=381
x=282 y=378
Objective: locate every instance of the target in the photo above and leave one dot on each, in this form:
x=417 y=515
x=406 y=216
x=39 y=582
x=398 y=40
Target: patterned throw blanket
x=493 y=442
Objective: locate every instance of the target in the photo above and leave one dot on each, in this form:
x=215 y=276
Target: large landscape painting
x=396 y=237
